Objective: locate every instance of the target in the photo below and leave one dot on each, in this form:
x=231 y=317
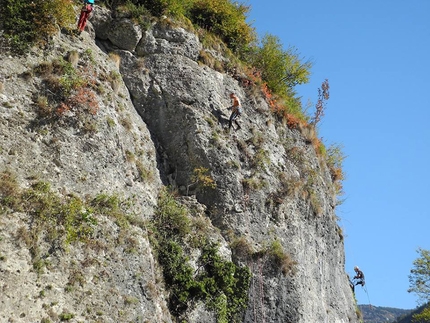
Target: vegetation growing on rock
x=53 y=219
x=26 y=22
x=219 y=283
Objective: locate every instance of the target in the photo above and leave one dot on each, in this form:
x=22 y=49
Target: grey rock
x=163 y=39
x=170 y=113
x=101 y=20
x=125 y=34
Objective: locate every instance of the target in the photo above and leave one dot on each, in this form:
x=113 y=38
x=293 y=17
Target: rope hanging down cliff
x=359 y=280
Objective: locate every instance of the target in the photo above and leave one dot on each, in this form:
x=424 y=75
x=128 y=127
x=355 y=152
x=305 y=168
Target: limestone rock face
x=85 y=155
x=165 y=117
x=163 y=39
x=125 y=34
x=101 y=19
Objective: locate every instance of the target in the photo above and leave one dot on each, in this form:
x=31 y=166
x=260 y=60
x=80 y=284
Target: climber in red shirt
x=85 y=13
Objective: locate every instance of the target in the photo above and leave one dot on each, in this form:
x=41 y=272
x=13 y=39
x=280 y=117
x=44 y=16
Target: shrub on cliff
x=280 y=69
x=165 y=7
x=28 y=22
x=225 y=19
x=221 y=284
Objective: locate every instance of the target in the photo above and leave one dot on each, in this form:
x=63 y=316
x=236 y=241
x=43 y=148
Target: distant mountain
x=376 y=314
x=408 y=317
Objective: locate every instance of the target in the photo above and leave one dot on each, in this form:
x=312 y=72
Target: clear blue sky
x=376 y=56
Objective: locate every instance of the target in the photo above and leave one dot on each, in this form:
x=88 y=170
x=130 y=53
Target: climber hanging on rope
x=359 y=276
x=87 y=8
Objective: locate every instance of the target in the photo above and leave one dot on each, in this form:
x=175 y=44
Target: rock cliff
x=95 y=126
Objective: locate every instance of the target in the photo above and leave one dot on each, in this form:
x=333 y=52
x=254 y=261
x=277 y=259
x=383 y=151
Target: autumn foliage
x=83 y=100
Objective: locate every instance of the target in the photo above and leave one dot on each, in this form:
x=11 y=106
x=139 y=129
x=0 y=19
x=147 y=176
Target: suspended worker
x=236 y=111
x=359 y=276
x=87 y=8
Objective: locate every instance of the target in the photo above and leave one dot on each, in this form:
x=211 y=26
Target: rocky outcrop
x=101 y=154
x=165 y=119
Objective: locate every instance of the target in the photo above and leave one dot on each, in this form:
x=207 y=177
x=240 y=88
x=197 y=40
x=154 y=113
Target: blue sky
x=376 y=56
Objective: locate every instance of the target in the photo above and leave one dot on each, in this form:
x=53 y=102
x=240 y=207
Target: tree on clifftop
x=419 y=282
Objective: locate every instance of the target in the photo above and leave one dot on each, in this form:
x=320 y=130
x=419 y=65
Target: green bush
x=166 y=7
x=281 y=69
x=28 y=22
x=178 y=275
x=65 y=316
x=10 y=193
x=217 y=280
x=334 y=159
x=138 y=13
x=225 y=284
x=225 y=19
x=51 y=212
x=282 y=259
x=278 y=257
x=171 y=217
x=220 y=284
x=111 y=205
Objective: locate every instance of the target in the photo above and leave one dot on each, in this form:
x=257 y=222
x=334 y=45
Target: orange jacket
x=236 y=103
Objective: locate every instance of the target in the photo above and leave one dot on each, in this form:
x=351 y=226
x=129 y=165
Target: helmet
x=356 y=268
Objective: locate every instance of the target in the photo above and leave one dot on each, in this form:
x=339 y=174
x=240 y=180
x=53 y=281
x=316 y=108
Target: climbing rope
x=261 y=291
x=368 y=298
